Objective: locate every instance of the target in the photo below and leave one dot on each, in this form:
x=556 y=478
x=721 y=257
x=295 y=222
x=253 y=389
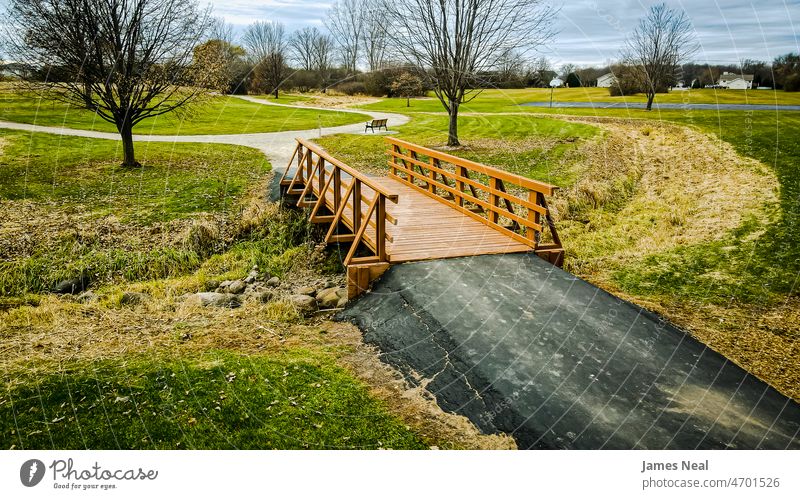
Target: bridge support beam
x=360 y=276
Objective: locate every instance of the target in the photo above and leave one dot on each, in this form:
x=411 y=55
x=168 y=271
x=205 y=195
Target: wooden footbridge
x=431 y=205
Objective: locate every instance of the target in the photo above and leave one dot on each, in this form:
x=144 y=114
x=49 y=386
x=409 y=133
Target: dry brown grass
x=645 y=193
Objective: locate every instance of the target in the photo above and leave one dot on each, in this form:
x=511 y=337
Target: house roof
x=607 y=75
x=732 y=76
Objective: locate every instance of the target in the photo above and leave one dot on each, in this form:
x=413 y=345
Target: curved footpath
x=277 y=146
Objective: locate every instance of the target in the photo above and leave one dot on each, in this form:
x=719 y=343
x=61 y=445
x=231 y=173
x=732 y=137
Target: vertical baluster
x=380 y=228
x=356 y=205
x=337 y=187
x=321 y=168
x=492 y=200
x=533 y=216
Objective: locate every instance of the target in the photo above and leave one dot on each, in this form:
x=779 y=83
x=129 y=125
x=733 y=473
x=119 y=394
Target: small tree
x=125 y=60
x=266 y=44
x=662 y=40
x=408 y=85
x=457 y=40
x=225 y=60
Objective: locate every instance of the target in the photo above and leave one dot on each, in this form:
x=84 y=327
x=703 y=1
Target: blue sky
x=590 y=32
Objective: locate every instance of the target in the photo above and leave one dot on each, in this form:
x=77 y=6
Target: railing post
x=321 y=167
x=356 y=204
x=300 y=161
x=309 y=163
x=432 y=176
x=380 y=228
x=492 y=200
x=337 y=187
x=533 y=216
x=460 y=184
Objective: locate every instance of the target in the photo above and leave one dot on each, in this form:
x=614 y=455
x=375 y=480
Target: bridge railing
x=512 y=204
x=351 y=199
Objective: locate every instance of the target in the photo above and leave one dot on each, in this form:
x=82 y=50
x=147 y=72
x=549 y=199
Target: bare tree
x=457 y=39
x=346 y=23
x=302 y=43
x=375 y=37
x=266 y=44
x=126 y=60
x=661 y=40
x=323 y=59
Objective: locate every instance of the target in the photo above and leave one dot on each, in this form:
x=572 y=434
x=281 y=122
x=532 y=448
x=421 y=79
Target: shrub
x=792 y=83
x=351 y=88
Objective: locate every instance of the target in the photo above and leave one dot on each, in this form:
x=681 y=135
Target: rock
x=87 y=297
x=263 y=296
x=237 y=287
x=133 y=298
x=252 y=276
x=71 y=286
x=223 y=286
x=212 y=299
x=330 y=297
x=274 y=282
x=306 y=290
x=303 y=303
x=211 y=285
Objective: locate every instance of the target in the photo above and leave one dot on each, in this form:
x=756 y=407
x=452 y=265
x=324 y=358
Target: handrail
x=319 y=151
x=342 y=191
x=522 y=217
x=535 y=185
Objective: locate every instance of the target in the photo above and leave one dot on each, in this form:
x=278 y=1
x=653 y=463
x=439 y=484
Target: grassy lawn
x=221 y=115
x=217 y=400
x=509 y=100
x=540 y=148
x=176 y=179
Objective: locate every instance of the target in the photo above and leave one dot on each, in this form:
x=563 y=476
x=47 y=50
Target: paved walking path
x=277 y=146
x=519 y=346
x=666 y=105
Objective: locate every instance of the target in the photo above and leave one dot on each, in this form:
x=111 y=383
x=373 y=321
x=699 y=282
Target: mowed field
x=219 y=115
x=509 y=100
x=693 y=214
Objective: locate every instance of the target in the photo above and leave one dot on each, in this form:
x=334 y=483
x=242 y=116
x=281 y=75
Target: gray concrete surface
x=666 y=105
x=522 y=347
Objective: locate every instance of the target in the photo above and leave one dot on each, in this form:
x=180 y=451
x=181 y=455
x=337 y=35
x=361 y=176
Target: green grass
x=176 y=180
x=221 y=115
x=530 y=146
x=284 y=98
x=509 y=100
x=218 y=400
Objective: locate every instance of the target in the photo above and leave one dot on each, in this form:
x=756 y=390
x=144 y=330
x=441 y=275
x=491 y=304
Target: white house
x=735 y=81
x=605 y=80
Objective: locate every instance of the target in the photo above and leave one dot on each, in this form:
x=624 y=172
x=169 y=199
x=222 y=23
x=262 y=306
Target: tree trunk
x=126 y=132
x=276 y=93
x=452 y=131
x=408 y=101
x=650 y=97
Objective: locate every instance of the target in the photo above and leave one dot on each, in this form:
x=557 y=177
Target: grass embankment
x=167 y=373
x=219 y=115
x=669 y=217
x=509 y=100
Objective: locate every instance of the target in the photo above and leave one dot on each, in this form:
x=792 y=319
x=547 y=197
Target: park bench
x=372 y=125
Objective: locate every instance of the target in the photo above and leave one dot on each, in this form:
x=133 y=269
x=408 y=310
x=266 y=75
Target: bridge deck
x=428 y=229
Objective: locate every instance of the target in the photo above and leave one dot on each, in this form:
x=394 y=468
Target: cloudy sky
x=590 y=32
